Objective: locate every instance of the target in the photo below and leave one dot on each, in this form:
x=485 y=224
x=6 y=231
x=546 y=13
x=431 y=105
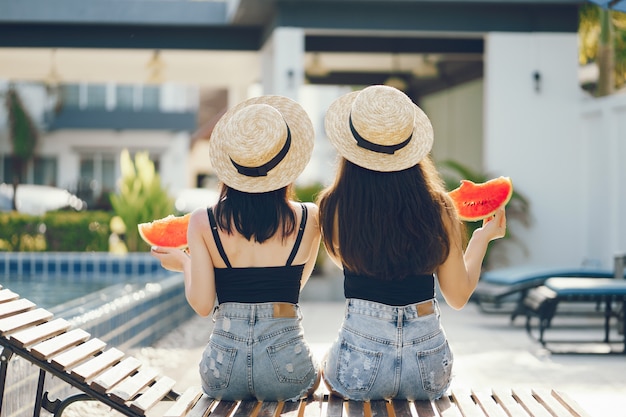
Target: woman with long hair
x=254 y=250
x=388 y=222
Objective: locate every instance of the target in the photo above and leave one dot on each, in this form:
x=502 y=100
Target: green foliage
x=593 y=35
x=58 y=231
x=68 y=231
x=141 y=198
x=518 y=208
x=22 y=129
x=308 y=193
x=19 y=232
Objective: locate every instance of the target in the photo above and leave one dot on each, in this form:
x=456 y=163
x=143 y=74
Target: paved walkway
x=489 y=353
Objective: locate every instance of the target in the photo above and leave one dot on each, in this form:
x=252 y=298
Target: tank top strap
x=296 y=245
x=216 y=237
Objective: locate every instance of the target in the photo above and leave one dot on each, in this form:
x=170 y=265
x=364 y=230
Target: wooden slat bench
x=460 y=403
x=124 y=384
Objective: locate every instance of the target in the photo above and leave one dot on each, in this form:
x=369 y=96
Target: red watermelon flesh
x=475 y=202
x=170 y=231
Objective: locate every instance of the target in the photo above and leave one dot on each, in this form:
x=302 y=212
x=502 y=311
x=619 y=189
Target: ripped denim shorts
x=252 y=354
x=385 y=352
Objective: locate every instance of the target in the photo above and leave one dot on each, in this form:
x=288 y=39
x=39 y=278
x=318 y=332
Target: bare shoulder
x=199 y=217
x=312 y=207
x=312 y=212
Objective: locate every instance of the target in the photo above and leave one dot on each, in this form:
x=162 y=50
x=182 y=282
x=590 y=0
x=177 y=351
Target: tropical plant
x=24 y=135
x=141 y=197
x=602 y=39
x=518 y=208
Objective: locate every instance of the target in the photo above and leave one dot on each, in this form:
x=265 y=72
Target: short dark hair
x=257 y=216
x=390 y=223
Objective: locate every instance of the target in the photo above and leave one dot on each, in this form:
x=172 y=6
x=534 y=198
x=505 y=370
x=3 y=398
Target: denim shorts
x=384 y=352
x=253 y=355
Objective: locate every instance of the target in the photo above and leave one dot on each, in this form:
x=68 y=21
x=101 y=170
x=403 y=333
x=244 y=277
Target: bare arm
x=312 y=229
x=459 y=274
x=197 y=269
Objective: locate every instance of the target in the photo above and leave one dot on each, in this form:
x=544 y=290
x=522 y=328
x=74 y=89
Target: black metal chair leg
x=40 y=395
x=5 y=357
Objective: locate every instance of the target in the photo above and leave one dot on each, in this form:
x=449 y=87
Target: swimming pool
x=126 y=301
x=49 y=293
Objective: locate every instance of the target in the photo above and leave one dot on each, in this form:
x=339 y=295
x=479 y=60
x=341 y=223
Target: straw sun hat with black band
x=262 y=144
x=379 y=128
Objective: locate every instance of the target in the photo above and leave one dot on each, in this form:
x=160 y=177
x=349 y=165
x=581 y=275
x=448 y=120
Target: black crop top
x=410 y=290
x=258 y=284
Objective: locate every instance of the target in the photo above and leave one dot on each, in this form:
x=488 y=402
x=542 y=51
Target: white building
x=498 y=79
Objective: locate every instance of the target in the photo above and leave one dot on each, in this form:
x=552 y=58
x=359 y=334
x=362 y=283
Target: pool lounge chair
x=499 y=287
x=122 y=383
x=543 y=302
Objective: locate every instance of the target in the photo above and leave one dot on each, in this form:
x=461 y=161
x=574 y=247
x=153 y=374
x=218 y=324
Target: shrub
x=57 y=231
x=141 y=198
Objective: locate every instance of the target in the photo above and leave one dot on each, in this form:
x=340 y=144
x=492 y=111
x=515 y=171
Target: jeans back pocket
x=292 y=361
x=357 y=368
x=216 y=365
x=435 y=368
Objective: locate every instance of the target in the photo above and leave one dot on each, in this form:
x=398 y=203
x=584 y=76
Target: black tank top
x=258 y=284
x=410 y=290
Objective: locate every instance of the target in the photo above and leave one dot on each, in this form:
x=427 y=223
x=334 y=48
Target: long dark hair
x=257 y=216
x=390 y=223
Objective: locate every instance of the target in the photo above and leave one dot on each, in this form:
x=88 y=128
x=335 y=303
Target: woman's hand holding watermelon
x=172 y=259
x=494 y=226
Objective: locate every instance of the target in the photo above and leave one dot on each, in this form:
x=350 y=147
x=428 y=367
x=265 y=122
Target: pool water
x=49 y=293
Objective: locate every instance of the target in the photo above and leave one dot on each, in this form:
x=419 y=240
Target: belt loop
x=215 y=309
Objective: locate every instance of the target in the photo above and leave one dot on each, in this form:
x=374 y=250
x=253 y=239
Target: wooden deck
x=460 y=403
x=121 y=382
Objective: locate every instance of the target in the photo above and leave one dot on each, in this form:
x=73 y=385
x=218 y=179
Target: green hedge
x=60 y=231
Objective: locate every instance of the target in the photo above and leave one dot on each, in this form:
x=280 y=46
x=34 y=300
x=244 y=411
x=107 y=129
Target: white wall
x=534 y=138
x=68 y=144
x=457 y=118
x=603 y=148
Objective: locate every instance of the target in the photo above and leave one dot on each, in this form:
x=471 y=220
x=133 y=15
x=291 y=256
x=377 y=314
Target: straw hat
x=379 y=128
x=261 y=144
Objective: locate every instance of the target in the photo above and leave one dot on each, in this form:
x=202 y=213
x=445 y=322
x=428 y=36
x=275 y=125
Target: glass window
x=97 y=176
x=45 y=171
x=108 y=174
x=96 y=96
x=70 y=94
x=150 y=98
x=124 y=96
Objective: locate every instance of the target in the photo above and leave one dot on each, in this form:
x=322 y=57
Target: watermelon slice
x=475 y=202
x=170 y=231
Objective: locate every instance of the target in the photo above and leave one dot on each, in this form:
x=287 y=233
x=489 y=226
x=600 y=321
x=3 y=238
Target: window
x=45 y=171
x=42 y=170
x=97 y=175
x=151 y=96
x=96 y=96
x=125 y=97
x=70 y=94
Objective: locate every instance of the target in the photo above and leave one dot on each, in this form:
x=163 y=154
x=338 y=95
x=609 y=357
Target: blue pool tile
x=13 y=266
